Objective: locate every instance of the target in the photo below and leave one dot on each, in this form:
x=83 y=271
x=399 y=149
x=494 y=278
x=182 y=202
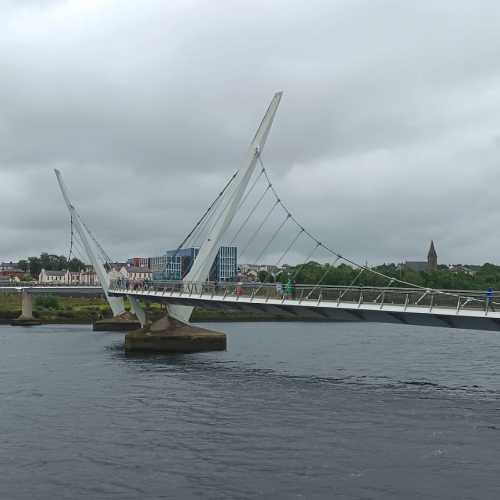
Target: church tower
x=432 y=258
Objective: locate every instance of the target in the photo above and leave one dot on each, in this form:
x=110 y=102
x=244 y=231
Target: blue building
x=179 y=262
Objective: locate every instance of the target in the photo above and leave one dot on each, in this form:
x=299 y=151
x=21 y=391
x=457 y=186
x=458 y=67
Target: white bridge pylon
x=209 y=248
x=200 y=269
x=116 y=303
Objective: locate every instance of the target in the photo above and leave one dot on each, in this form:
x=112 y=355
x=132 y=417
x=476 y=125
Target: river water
x=291 y=410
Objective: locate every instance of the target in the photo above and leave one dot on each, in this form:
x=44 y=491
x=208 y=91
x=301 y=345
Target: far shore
x=84 y=311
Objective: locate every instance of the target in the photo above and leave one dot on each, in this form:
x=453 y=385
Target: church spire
x=432 y=258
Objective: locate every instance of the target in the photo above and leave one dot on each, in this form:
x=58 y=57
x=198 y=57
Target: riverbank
x=84 y=310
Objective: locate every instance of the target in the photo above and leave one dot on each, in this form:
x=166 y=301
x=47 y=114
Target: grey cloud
x=387 y=135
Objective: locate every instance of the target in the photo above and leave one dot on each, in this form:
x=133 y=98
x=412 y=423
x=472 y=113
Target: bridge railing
x=312 y=294
x=37 y=284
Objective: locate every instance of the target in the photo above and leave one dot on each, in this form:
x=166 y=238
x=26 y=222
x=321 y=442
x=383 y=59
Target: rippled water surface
x=291 y=410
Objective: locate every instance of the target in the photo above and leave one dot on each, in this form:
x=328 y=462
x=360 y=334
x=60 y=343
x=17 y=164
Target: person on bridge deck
x=279 y=289
x=489 y=297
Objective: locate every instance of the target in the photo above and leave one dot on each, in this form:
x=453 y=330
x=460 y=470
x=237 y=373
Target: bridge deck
x=54 y=289
x=455 y=309
x=381 y=305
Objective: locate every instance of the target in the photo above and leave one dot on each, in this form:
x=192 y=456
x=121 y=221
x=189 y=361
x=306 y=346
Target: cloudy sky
x=388 y=133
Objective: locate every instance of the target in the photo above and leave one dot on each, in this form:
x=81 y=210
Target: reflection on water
x=289 y=411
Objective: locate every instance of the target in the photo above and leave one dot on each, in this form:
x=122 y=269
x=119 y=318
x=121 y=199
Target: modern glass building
x=225 y=266
x=179 y=262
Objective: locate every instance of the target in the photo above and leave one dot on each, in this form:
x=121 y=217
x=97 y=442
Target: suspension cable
x=251 y=239
x=199 y=233
x=325 y=274
x=71 y=237
x=251 y=189
x=250 y=214
x=297 y=236
x=280 y=227
x=103 y=253
x=206 y=212
x=352 y=282
x=346 y=259
x=297 y=271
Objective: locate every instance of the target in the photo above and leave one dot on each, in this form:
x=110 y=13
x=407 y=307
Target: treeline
x=50 y=262
x=312 y=272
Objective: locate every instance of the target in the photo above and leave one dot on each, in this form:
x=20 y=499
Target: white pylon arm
x=208 y=251
x=116 y=303
x=200 y=269
x=137 y=309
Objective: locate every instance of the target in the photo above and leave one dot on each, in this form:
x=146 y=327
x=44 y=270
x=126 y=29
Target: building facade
x=139 y=262
x=225 y=266
x=134 y=273
x=177 y=263
x=158 y=264
x=53 y=277
x=9 y=270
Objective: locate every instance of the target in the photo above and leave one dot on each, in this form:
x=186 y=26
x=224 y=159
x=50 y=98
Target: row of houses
x=10 y=271
x=89 y=276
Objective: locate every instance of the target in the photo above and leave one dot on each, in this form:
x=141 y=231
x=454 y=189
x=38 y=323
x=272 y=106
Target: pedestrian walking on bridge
x=489 y=298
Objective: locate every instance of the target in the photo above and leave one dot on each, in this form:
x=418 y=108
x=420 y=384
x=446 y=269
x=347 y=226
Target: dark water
x=290 y=411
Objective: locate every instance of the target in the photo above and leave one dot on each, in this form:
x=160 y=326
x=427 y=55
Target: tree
x=51 y=262
x=265 y=277
x=23 y=265
x=75 y=265
x=35 y=265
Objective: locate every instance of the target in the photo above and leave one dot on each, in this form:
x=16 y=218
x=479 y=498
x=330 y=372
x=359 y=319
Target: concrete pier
x=124 y=322
x=172 y=336
x=26 y=318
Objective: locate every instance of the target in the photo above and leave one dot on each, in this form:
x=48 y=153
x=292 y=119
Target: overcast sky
x=388 y=134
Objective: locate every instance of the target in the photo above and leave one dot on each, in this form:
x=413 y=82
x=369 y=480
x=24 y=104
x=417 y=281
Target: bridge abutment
x=26 y=318
x=172 y=336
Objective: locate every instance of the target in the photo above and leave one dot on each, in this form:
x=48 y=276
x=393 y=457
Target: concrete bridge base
x=26 y=318
x=123 y=323
x=21 y=321
x=172 y=336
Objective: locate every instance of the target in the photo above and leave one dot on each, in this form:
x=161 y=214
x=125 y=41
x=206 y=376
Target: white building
x=84 y=277
x=136 y=273
x=52 y=277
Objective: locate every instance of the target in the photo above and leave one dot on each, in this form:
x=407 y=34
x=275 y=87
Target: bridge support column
x=124 y=322
x=170 y=335
x=26 y=318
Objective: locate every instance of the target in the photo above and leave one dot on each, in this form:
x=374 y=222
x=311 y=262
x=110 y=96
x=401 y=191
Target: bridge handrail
x=229 y=284
x=303 y=293
x=33 y=284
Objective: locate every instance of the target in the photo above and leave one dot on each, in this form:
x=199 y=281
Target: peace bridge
x=250 y=214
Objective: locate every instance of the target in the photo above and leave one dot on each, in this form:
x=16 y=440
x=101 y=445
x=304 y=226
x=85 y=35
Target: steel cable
x=280 y=227
x=256 y=205
x=289 y=247
x=350 y=261
x=271 y=210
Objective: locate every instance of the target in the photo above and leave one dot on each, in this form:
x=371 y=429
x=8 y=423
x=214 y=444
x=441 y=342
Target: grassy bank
x=84 y=310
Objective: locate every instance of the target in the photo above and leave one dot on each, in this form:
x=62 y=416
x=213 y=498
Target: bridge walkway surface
x=426 y=307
